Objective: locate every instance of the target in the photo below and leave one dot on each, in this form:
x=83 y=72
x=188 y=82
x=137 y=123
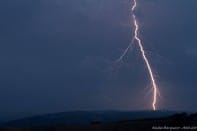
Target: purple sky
x=58 y=55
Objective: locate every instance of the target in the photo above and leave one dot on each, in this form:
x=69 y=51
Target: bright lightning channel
x=147 y=63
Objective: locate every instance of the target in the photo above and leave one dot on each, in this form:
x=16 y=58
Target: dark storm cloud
x=55 y=55
x=59 y=55
x=173 y=29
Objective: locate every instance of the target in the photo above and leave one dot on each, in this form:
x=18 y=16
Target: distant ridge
x=178 y=121
x=84 y=118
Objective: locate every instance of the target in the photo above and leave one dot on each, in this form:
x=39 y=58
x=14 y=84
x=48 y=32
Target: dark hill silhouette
x=105 y=121
x=84 y=118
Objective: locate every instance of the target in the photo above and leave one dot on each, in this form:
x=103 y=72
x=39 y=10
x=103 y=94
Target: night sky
x=59 y=55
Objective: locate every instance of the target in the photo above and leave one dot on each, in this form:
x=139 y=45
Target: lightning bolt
x=147 y=63
x=125 y=51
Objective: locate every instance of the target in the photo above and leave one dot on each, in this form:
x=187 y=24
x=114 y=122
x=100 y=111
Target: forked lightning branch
x=136 y=39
